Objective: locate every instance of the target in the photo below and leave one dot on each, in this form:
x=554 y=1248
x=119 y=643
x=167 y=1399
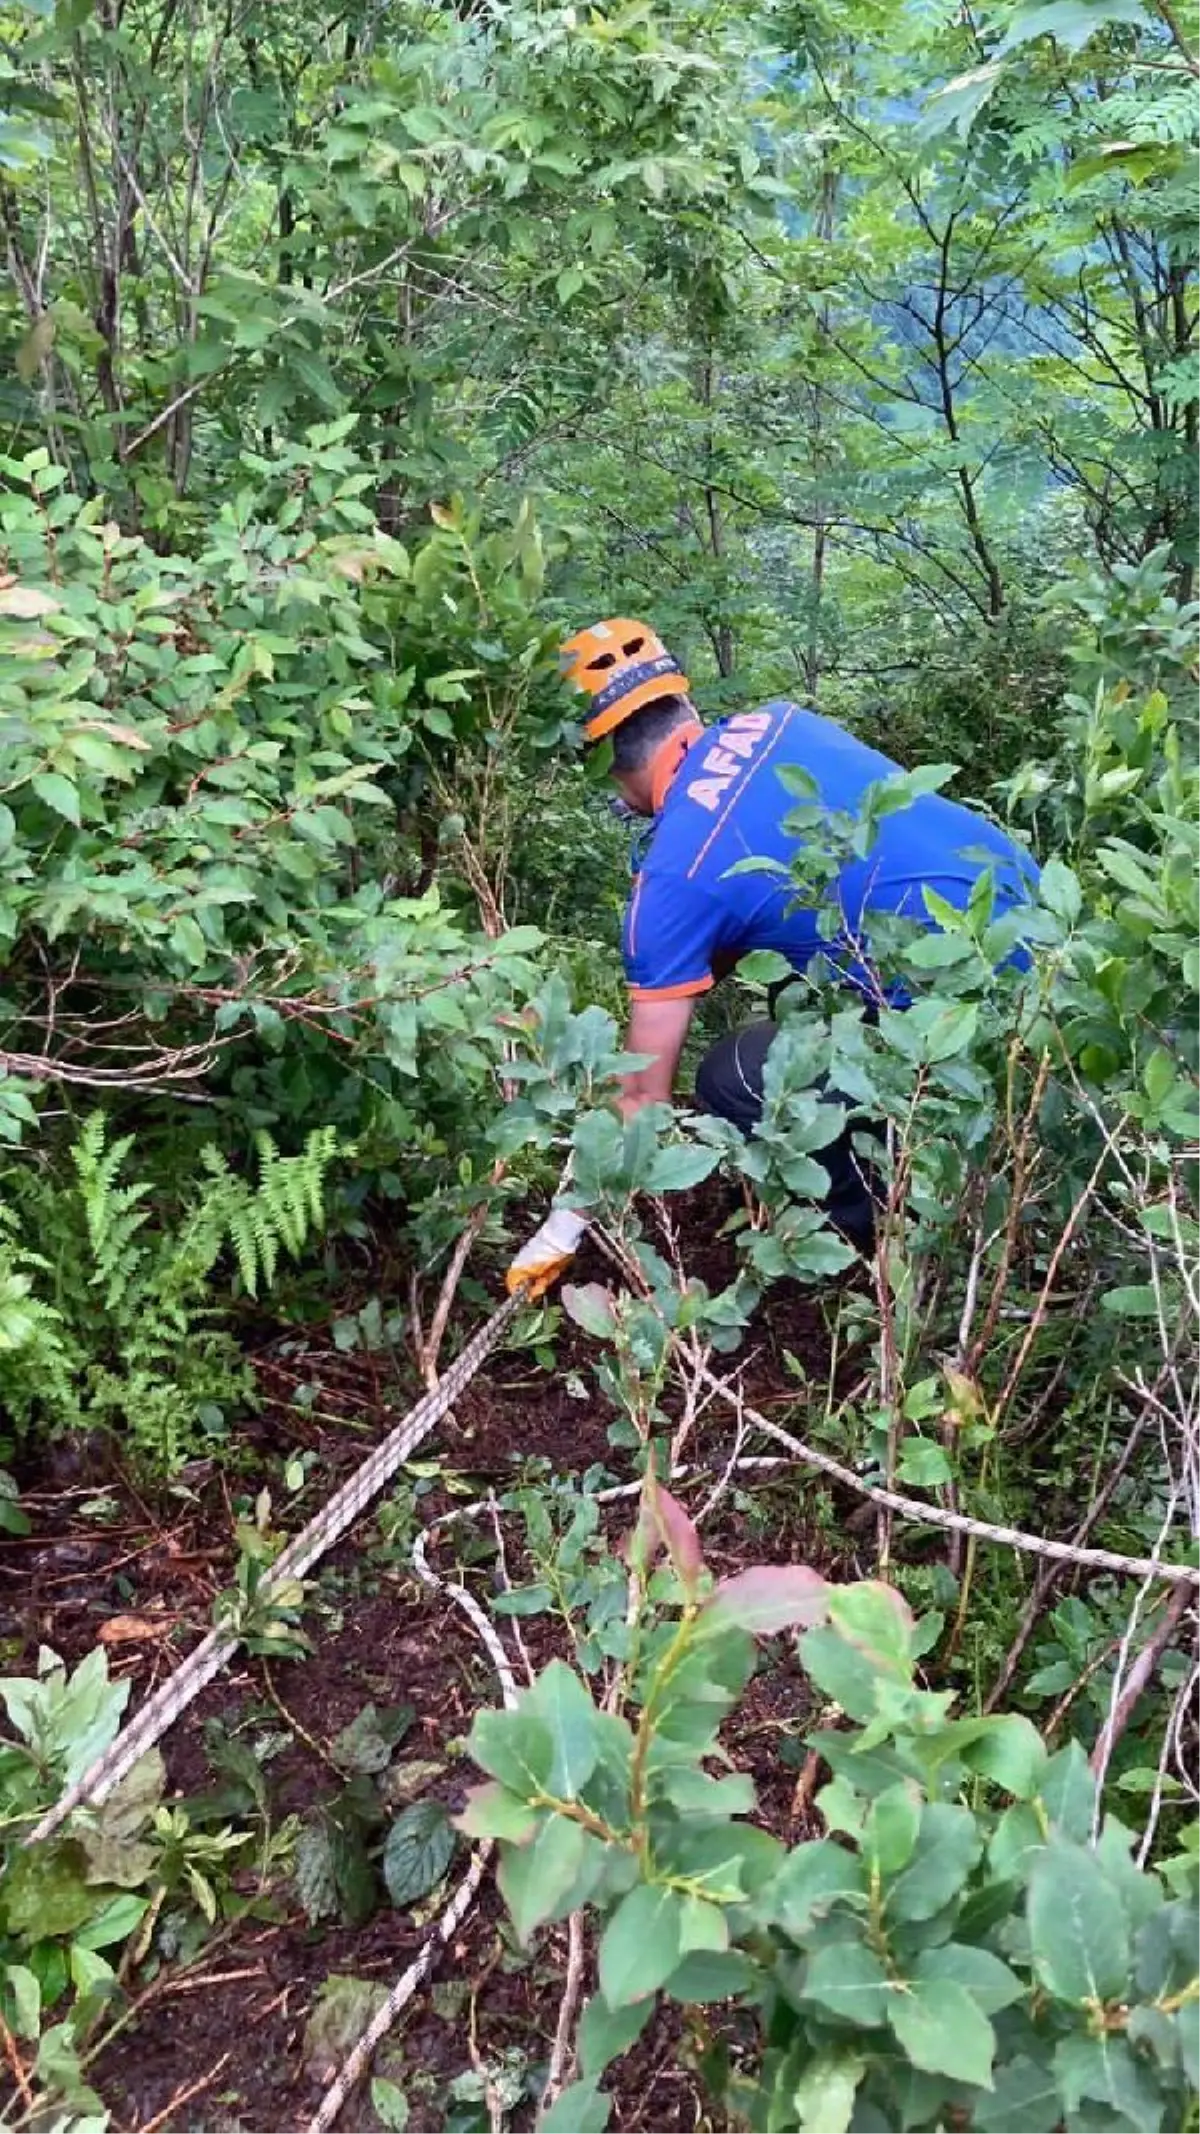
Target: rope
x=1011 y=1537
x=357 y=2063
x=313 y=1541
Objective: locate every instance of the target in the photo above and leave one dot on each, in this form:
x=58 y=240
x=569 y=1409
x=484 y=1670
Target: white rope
x=180 y=1689
x=359 y=2060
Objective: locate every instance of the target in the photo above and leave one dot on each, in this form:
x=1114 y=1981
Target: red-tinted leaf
x=680 y=1537
x=664 y=1524
x=590 y=1305
x=766 y=1598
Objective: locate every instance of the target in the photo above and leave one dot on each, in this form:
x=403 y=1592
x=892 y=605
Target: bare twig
x=562 y=2055
x=1122 y=1708
x=184 y=2096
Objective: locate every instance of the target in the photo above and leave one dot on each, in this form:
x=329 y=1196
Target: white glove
x=548 y=1254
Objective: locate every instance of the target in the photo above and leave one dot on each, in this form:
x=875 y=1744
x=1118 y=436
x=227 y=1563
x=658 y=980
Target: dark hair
x=638 y=740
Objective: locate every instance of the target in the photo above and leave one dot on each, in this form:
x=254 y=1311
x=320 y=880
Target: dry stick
x=1088 y=1674
x=20 y=2075
x=185 y=2096
x=1040 y=1309
x=1138 y=1679
x=1177 y=1574
x=1049 y=1575
x=563 y=2051
x=1021 y=1165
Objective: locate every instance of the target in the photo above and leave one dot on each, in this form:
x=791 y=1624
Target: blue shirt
x=726 y=803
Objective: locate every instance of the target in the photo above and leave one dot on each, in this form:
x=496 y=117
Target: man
x=715 y=799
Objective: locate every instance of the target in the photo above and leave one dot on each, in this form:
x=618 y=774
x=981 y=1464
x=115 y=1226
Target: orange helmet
x=623 y=666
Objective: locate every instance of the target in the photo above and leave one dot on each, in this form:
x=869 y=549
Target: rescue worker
x=714 y=798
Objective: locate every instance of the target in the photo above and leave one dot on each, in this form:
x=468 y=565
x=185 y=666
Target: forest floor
x=219 y=2041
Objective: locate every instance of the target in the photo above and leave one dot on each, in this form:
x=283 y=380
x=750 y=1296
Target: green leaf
x=674 y=1170
x=1060 y=891
x=1078 y=1934
x=874 y=1619
x=115 y=1922
x=1071 y=23
x=923 y=1464
x=313 y=1872
x=702 y=1926
x=990 y=1983
x=813 y=1879
x=1165 y=1950
x=943 y=2031
x=852 y=1983
x=1106 y=2069
x=389 y=2104
x=27 y=2000
x=640 y=1946
x=1025 y=2100
x=1131 y=1300
x=1068 y=1792
x=366 y=1744
x=823 y=2098
x=417 y=1852
x=558 y=1698
x=45 y=1892
x=948 y=1845
x=1189 y=2046
x=604 y=2033
x=490 y=1812
x=581 y=2108
x=890 y=1833
x=535 y=1879
x=707 y=1975
x=1011 y=1753
x=59 y=793
x=514 y=1747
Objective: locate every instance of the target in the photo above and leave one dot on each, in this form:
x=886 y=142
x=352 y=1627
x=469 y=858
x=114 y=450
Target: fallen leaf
x=129 y=1630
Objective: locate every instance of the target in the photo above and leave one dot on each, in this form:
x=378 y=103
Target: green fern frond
x=112 y=1317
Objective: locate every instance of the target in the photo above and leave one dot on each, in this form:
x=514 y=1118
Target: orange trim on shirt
x=735 y=796
x=672 y=992
x=664 y=765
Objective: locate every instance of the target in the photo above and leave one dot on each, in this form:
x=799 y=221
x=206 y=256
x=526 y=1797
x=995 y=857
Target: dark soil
x=219 y=2044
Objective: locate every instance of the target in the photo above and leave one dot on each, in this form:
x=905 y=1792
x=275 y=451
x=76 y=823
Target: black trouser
x=729 y=1084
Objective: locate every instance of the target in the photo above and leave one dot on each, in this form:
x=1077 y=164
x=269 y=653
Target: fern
x=111 y=1318
x=285 y=1209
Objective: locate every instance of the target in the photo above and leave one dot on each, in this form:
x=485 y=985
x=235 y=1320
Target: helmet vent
x=606 y=659
x=635 y=645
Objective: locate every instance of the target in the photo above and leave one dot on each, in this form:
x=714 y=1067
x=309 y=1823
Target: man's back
x=726 y=805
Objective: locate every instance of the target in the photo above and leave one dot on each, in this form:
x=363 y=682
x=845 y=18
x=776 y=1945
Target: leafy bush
x=969 y=1940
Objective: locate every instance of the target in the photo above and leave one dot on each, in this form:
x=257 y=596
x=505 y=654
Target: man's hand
x=656 y=1027
x=547 y=1255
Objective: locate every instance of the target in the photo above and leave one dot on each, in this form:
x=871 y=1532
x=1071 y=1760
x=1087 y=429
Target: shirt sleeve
x=672 y=931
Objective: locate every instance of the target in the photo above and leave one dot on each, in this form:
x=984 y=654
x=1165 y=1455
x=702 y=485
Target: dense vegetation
x=346 y=357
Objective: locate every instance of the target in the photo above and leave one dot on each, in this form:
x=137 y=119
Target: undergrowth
x=107 y=1312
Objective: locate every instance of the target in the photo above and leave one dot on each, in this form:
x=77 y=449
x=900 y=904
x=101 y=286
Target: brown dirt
x=100 y=1550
